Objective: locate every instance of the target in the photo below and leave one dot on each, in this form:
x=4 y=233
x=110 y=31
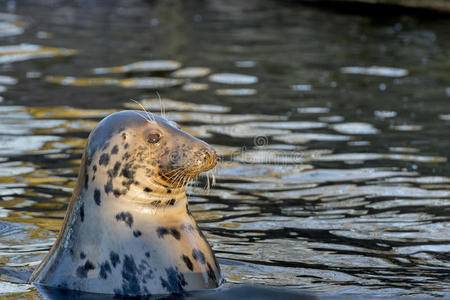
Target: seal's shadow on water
x=244 y=292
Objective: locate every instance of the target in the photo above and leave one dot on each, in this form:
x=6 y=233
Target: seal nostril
x=209 y=155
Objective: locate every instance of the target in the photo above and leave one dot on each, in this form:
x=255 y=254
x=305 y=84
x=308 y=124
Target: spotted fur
x=82 y=271
x=126 y=217
x=128 y=229
x=104 y=160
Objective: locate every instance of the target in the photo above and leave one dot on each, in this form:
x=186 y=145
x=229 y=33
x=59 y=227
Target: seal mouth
x=179 y=176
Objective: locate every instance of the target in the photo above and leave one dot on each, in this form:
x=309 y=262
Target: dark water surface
x=334 y=176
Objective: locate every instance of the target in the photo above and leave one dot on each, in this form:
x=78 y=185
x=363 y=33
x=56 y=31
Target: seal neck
x=156 y=196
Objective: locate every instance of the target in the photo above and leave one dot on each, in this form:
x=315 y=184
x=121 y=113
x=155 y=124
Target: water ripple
x=333 y=175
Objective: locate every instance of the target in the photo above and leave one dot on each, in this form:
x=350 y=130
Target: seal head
x=128 y=229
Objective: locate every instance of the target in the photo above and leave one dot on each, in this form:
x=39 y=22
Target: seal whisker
x=177 y=177
x=149 y=113
x=176 y=174
x=194 y=182
x=179 y=185
x=175 y=170
x=183 y=167
x=161 y=106
x=213 y=176
x=215 y=170
x=173 y=175
x=191 y=182
x=208 y=184
x=150 y=119
x=145 y=118
x=188 y=188
x=185 y=180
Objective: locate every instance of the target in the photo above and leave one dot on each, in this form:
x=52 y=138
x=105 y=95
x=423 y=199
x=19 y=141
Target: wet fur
x=124 y=235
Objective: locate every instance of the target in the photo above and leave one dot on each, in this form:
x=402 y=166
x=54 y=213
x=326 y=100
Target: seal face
x=128 y=229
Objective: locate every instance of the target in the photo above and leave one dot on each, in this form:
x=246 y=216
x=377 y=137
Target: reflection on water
x=15 y=53
x=333 y=131
x=141 y=66
x=375 y=71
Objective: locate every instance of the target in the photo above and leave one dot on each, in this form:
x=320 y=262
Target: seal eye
x=153 y=138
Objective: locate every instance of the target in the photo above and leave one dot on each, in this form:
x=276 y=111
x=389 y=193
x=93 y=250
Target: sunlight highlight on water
x=327 y=182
